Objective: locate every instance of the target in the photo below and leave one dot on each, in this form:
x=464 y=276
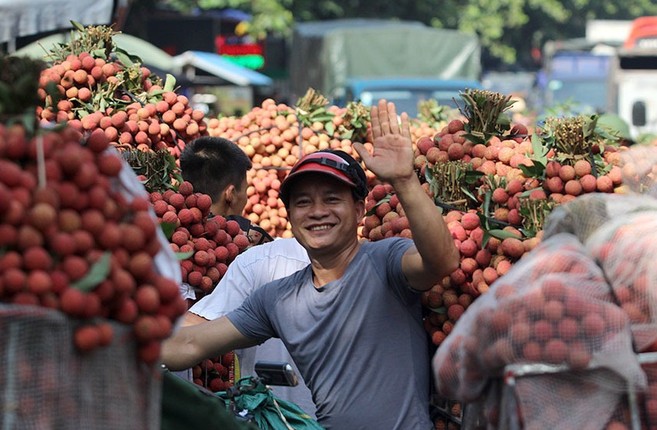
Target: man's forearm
x=430 y=233
x=190 y=345
x=179 y=352
x=191 y=318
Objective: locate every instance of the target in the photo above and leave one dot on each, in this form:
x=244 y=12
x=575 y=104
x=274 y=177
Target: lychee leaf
x=502 y=234
x=184 y=255
x=527 y=193
x=472 y=176
x=168 y=228
x=476 y=137
x=170 y=82
x=534 y=171
x=380 y=202
x=77 y=25
x=486 y=205
x=469 y=194
x=347 y=134
x=97 y=274
x=330 y=128
x=441 y=310
x=485 y=239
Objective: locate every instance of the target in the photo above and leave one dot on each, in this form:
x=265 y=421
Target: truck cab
x=578 y=78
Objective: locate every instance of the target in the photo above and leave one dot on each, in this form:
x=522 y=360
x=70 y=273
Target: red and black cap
x=335 y=163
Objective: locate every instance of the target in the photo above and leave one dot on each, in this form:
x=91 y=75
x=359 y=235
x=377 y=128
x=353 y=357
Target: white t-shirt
x=250 y=270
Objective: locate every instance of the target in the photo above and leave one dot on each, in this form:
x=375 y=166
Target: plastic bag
x=186 y=405
x=251 y=396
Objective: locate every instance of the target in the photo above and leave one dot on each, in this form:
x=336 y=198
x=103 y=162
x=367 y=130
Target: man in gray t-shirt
x=345 y=332
x=352 y=319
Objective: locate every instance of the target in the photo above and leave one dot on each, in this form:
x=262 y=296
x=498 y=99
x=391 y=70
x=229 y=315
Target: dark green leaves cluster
x=19 y=82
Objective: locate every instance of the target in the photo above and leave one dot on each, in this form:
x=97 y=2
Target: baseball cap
x=335 y=163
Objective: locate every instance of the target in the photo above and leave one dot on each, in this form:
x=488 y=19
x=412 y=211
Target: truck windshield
x=588 y=95
x=408 y=100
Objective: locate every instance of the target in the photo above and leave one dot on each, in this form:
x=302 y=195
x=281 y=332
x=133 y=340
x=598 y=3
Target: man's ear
x=229 y=194
x=360 y=209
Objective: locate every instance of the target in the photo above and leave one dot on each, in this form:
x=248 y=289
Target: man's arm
x=190 y=318
x=434 y=255
x=192 y=344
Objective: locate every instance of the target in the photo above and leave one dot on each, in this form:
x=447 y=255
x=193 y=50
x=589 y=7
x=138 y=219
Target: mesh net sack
x=579 y=399
x=639 y=170
x=647 y=401
x=554 y=307
x=584 y=215
x=625 y=249
x=46 y=384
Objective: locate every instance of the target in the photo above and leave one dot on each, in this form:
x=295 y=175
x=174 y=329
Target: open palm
x=392 y=156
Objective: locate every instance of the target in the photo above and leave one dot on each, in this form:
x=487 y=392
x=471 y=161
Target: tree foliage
x=508 y=29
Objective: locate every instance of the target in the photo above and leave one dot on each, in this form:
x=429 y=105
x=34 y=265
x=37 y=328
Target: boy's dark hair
x=213 y=163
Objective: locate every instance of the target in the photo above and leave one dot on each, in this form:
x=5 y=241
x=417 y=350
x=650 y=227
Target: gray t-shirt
x=358 y=341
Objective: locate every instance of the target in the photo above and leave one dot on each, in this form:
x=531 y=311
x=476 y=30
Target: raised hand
x=392 y=157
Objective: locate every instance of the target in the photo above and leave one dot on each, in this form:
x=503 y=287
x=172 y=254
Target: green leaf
x=526 y=193
x=428 y=175
x=170 y=82
x=485 y=239
x=77 y=25
x=476 y=137
x=321 y=118
x=168 y=228
x=486 y=205
x=330 y=128
x=590 y=125
x=441 y=310
x=347 y=134
x=469 y=194
x=472 y=176
x=28 y=122
x=535 y=171
x=97 y=274
x=184 y=255
x=380 y=202
x=502 y=234
x=124 y=58
x=539 y=150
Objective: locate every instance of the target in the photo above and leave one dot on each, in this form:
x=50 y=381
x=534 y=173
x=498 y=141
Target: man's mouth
x=320 y=227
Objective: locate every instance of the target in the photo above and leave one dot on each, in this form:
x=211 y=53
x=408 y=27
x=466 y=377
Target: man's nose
x=318 y=208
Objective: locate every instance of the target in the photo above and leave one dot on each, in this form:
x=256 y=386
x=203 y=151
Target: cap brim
x=314 y=168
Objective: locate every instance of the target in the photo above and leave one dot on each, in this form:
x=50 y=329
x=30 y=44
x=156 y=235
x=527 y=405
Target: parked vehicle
x=575 y=73
x=633 y=78
x=361 y=59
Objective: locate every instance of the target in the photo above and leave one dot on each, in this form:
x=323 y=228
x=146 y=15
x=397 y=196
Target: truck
x=575 y=76
x=633 y=79
x=575 y=72
x=368 y=59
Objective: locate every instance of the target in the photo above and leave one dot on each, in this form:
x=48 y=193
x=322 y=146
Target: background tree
x=509 y=31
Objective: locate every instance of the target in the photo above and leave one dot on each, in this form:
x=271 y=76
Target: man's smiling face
x=323 y=213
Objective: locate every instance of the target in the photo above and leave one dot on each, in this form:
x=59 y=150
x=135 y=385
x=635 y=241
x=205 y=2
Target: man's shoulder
x=288 y=249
